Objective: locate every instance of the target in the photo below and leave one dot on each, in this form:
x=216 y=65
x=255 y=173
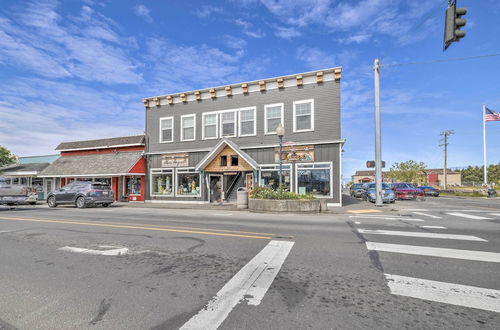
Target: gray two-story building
x=203 y=145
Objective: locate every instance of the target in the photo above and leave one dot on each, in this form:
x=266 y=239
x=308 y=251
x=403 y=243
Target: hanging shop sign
x=175 y=160
x=294 y=154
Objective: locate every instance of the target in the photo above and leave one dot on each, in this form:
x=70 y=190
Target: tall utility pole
x=444 y=144
x=378 y=142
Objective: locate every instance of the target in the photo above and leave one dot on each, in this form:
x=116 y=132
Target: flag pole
x=484 y=147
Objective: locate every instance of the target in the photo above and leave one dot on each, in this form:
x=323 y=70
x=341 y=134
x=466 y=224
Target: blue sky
x=77 y=69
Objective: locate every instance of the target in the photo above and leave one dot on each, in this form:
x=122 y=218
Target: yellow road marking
x=98 y=224
x=151 y=225
x=364 y=211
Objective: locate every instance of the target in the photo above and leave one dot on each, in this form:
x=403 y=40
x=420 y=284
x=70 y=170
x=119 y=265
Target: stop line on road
x=421 y=234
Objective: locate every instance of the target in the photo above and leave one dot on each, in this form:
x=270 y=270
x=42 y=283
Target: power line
x=439 y=61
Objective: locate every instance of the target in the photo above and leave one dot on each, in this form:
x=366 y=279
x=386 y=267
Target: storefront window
x=315 y=179
x=133 y=185
x=269 y=176
x=188 y=182
x=162 y=182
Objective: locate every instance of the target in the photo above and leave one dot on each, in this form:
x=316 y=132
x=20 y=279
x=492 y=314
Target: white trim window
x=188 y=127
x=314 y=178
x=210 y=126
x=303 y=116
x=273 y=116
x=162 y=182
x=228 y=124
x=188 y=183
x=269 y=176
x=247 y=122
x=166 y=129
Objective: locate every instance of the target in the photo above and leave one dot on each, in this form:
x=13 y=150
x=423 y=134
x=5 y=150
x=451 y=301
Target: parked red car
x=407 y=191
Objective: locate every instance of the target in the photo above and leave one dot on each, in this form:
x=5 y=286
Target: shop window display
x=188 y=183
x=162 y=182
x=314 y=179
x=133 y=185
x=269 y=176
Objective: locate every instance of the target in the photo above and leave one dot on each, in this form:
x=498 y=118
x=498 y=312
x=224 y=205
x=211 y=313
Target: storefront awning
x=31 y=169
x=97 y=165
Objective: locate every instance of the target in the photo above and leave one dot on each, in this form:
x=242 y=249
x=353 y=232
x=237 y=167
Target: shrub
x=269 y=193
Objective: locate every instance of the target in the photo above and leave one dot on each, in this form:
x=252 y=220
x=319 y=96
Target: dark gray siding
x=326 y=116
x=322 y=153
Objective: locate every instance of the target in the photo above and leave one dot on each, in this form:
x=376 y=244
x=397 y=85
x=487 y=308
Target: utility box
x=242 y=198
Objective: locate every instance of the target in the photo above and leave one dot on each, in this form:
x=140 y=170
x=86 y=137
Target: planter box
x=278 y=205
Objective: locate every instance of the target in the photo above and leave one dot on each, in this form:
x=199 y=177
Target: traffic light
x=453 y=23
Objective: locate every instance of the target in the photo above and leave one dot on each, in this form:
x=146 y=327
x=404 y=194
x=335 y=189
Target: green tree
x=476 y=174
x=6 y=157
x=409 y=171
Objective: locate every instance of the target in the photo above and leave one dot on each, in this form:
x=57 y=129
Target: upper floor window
x=228 y=124
x=273 y=114
x=188 y=127
x=247 y=122
x=210 y=127
x=166 y=129
x=303 y=116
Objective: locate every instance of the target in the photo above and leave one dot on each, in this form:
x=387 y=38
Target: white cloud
x=144 y=12
x=286 y=32
x=249 y=29
x=89 y=49
x=357 y=39
x=207 y=11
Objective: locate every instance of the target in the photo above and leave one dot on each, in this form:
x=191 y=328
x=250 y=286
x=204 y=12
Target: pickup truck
x=12 y=195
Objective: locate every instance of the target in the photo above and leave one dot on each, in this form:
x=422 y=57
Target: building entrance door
x=216 y=187
x=48 y=186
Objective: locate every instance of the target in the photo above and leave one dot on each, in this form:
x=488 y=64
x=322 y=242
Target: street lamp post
x=280 y=131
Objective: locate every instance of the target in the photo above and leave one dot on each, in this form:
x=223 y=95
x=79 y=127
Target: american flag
x=490 y=115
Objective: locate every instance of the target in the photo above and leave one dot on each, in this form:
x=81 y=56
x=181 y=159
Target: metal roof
x=102 y=143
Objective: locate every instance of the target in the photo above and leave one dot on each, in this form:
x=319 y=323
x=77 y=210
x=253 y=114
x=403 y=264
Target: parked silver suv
x=82 y=194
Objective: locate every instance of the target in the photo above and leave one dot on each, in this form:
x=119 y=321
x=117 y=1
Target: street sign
x=371 y=164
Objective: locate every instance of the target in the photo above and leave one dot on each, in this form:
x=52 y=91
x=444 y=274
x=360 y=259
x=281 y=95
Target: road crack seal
x=103 y=309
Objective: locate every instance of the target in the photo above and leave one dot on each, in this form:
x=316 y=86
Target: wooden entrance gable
x=216 y=165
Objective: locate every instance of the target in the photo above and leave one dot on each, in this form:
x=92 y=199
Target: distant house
x=26 y=172
x=435 y=177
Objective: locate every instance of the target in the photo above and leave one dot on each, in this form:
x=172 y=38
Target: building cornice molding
x=339 y=141
x=294 y=80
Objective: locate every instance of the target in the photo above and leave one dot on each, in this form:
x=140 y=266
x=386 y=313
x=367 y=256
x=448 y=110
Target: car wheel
x=52 y=201
x=80 y=202
x=105 y=204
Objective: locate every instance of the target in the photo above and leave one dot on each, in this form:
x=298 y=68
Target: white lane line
x=435 y=252
x=428 y=215
x=495 y=214
x=379 y=218
x=253 y=279
x=357 y=222
x=112 y=252
x=448 y=293
x=421 y=234
x=468 y=216
x=433 y=227
x=4 y=231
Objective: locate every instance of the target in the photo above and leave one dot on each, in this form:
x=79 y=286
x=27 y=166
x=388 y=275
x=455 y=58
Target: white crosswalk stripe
x=449 y=293
x=421 y=234
x=428 y=215
x=433 y=227
x=468 y=216
x=435 y=252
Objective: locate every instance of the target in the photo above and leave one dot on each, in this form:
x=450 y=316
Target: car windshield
x=100 y=186
x=357 y=185
x=384 y=186
x=405 y=185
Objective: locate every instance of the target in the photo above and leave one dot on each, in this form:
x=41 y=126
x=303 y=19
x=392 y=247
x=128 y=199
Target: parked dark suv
x=356 y=190
x=82 y=194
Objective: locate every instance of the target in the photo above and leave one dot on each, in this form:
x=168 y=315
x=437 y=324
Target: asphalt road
x=172 y=268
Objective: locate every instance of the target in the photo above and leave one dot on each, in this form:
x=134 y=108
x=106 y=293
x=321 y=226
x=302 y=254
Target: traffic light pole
x=378 y=138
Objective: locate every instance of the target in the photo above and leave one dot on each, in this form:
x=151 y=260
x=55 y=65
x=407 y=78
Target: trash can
x=242 y=198
x=492 y=193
